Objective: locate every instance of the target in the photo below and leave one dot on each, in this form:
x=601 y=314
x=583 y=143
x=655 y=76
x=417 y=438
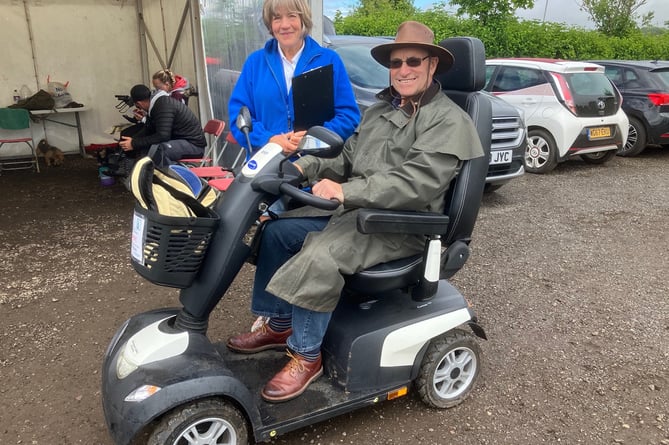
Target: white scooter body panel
x=150 y=345
x=401 y=347
x=260 y=159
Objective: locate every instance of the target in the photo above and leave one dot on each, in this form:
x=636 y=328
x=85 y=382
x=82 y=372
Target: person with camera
x=169 y=125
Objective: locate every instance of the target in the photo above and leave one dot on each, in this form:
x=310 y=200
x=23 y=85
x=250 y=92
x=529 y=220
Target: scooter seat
x=385 y=277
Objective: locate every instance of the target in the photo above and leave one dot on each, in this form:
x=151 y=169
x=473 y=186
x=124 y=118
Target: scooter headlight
x=124 y=367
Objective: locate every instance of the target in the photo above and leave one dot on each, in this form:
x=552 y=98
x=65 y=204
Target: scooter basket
x=168 y=250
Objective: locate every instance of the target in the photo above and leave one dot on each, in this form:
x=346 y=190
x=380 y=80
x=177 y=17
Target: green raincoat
x=393 y=161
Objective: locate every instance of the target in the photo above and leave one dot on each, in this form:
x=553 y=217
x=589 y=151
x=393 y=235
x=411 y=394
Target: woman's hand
x=288 y=141
x=328 y=189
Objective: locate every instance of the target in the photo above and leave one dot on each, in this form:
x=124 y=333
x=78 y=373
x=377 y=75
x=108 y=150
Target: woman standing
x=264 y=85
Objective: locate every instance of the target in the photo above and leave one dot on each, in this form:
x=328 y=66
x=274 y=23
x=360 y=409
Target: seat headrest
x=468 y=70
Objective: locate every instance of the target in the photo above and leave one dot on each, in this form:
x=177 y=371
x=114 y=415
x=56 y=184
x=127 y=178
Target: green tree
x=488 y=11
x=373 y=7
x=616 y=18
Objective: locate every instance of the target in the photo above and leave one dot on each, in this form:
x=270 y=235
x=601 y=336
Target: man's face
x=411 y=80
x=143 y=104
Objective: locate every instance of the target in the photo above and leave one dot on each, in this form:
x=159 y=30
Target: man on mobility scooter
x=402 y=156
x=398 y=324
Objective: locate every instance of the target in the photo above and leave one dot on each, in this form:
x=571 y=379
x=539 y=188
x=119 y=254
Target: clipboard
x=313 y=97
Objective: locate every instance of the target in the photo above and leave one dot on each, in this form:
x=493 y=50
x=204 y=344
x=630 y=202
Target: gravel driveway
x=568 y=275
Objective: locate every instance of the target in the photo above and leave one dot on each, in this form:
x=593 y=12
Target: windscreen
x=662 y=75
x=593 y=94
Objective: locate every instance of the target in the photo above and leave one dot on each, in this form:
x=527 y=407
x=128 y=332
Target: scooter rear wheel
x=205 y=422
x=450 y=369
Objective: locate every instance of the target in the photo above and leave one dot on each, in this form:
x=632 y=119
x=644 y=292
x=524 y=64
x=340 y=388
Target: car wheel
x=599 y=157
x=636 y=139
x=450 y=369
x=541 y=152
x=211 y=422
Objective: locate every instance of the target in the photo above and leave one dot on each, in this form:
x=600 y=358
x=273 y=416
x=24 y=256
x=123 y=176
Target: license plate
x=501 y=157
x=599 y=133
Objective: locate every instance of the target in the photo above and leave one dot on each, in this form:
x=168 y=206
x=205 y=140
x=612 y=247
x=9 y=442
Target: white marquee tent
x=102 y=48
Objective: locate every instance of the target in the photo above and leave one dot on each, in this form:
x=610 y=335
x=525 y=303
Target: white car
x=571 y=109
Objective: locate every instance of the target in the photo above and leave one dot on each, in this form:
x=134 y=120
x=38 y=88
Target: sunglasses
x=410 y=61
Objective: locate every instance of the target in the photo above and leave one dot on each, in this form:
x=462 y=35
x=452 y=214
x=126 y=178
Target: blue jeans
x=282 y=239
x=171 y=151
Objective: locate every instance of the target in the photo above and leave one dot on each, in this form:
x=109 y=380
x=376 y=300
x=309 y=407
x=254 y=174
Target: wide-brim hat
x=414 y=35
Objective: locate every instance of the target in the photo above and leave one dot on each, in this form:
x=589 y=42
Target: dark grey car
x=644 y=86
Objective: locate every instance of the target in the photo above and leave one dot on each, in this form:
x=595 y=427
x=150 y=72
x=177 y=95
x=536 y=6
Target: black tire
x=449 y=370
x=541 y=153
x=211 y=422
x=599 y=157
x=489 y=188
x=637 y=139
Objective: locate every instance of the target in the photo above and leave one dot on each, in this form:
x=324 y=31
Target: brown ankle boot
x=293 y=379
x=259 y=340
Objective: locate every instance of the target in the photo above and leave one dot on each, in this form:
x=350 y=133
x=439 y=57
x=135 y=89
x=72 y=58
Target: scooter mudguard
x=379 y=341
x=194 y=370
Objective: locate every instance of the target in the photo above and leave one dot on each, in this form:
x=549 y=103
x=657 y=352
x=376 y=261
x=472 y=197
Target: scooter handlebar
x=307 y=198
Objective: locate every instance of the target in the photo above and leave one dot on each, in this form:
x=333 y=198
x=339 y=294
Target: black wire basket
x=168 y=250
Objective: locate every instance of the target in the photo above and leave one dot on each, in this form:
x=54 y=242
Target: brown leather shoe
x=293 y=379
x=261 y=339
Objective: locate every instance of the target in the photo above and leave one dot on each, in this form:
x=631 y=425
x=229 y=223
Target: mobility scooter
x=400 y=327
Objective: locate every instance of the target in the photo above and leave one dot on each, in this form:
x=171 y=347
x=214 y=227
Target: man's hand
x=125 y=143
x=328 y=189
x=138 y=113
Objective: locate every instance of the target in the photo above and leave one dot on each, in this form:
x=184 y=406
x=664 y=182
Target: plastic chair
x=213 y=129
x=17 y=119
x=217 y=176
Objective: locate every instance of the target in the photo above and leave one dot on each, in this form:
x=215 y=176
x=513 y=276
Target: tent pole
x=32 y=41
x=203 y=97
x=143 y=51
x=184 y=15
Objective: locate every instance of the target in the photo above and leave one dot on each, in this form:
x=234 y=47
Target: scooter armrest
x=398 y=221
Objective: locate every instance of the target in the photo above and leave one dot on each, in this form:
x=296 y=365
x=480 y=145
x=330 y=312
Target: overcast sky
x=561 y=11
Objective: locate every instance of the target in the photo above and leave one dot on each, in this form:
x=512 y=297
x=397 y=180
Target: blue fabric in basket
x=189 y=178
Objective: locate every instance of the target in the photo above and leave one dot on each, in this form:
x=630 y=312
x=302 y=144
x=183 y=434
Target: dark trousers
x=282 y=239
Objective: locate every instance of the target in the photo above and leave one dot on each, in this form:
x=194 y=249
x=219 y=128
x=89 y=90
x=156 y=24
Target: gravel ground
x=568 y=275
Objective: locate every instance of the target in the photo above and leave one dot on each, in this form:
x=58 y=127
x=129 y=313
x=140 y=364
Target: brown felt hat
x=414 y=35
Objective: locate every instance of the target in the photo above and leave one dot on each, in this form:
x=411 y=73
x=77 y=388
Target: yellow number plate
x=599 y=133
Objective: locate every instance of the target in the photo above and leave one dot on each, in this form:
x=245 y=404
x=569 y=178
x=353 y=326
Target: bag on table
x=41 y=100
x=59 y=92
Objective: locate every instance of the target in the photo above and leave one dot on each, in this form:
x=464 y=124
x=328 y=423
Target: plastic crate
x=168 y=250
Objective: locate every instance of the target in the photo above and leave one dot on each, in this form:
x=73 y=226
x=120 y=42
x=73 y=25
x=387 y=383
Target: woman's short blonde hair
x=271 y=7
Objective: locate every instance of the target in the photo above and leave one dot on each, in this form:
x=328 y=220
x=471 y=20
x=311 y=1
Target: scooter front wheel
x=205 y=422
x=450 y=369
